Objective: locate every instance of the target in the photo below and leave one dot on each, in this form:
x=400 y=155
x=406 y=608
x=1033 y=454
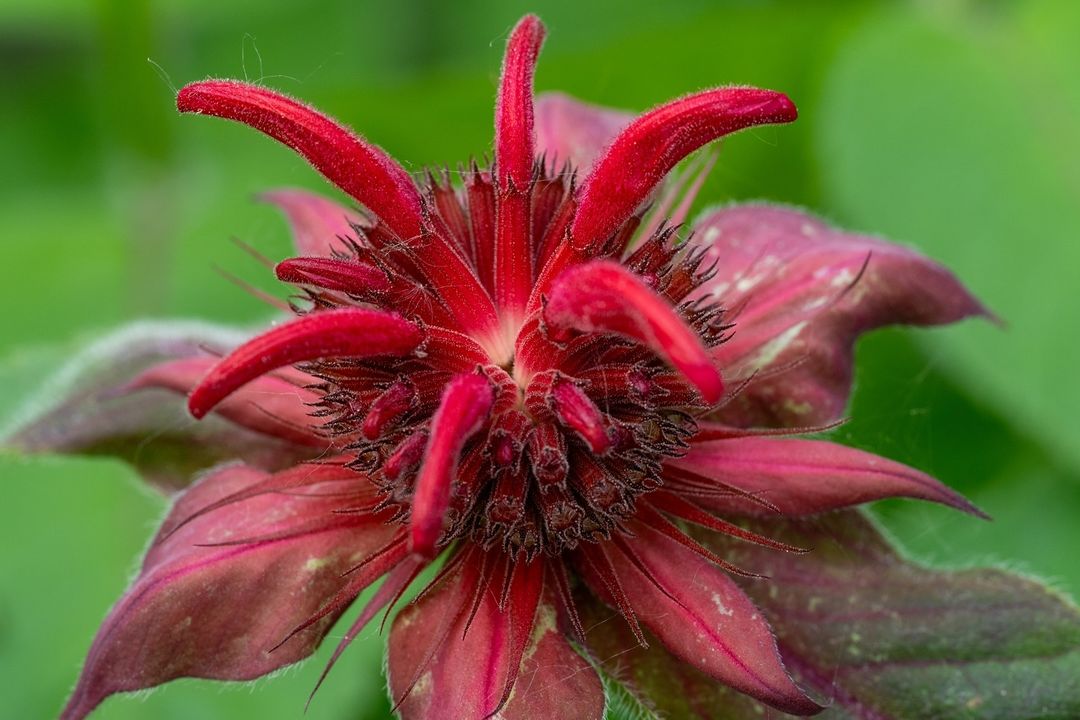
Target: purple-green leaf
x=83 y=411
x=874 y=636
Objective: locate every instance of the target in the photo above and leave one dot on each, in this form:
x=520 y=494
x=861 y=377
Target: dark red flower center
x=579 y=421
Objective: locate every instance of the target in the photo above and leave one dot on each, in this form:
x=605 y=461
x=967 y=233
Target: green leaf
x=874 y=635
x=955 y=130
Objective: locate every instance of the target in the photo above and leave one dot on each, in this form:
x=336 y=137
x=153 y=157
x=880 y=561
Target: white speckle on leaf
x=744 y=284
x=719 y=289
x=797 y=408
x=316 y=563
x=843 y=278
x=721 y=607
x=771 y=350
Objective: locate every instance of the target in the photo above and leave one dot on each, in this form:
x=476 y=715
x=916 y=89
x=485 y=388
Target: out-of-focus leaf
x=81 y=411
x=967 y=148
x=877 y=636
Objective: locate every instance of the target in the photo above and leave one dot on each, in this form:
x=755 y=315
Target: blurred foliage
x=951 y=125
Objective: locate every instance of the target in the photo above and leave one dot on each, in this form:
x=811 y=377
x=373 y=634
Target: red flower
x=532 y=378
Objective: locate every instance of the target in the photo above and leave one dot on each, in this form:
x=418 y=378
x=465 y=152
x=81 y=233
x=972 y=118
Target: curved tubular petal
x=514 y=142
x=348 y=276
x=347 y=332
x=359 y=168
x=805 y=477
x=642 y=154
x=463 y=409
x=603 y=296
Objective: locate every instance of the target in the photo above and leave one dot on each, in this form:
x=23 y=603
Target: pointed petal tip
x=958 y=502
x=780 y=107
x=802 y=477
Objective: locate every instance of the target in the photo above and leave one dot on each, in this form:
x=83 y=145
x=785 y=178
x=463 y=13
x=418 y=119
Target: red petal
x=571 y=131
x=703 y=618
x=514 y=108
x=362 y=170
x=347 y=332
x=316 y=222
x=438 y=670
x=803 y=477
x=514 y=166
x=214 y=612
x=267 y=405
x=349 y=276
x=643 y=153
x=603 y=296
x=463 y=409
x=801 y=293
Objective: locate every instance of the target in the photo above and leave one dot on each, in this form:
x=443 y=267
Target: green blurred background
x=950 y=125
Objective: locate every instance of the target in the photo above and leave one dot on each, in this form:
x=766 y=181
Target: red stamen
x=397 y=400
x=406 y=456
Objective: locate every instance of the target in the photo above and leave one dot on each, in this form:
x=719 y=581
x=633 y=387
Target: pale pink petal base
x=569 y=130
x=317 y=224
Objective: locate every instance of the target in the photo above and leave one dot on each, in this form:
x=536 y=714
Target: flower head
x=535 y=378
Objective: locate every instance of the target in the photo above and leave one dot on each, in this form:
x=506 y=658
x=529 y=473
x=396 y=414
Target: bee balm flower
x=533 y=380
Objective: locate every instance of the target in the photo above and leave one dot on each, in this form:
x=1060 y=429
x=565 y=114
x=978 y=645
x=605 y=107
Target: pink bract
x=532 y=381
